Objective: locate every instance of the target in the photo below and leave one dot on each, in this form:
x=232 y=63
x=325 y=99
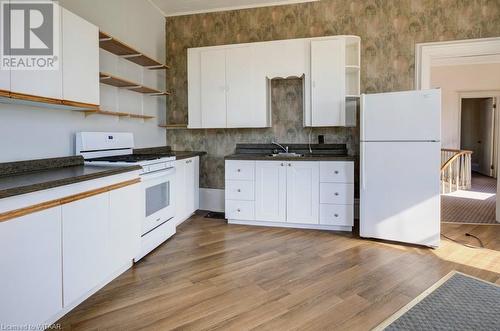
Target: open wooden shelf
x=119 y=48
x=173 y=126
x=108 y=79
x=116 y=113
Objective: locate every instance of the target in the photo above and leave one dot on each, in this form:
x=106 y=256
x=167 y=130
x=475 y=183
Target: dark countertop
x=23 y=177
x=320 y=152
x=167 y=151
x=306 y=157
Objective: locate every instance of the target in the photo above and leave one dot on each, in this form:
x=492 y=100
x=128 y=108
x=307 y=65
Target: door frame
x=496 y=129
x=425 y=53
x=481 y=48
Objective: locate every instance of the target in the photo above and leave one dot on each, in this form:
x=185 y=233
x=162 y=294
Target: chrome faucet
x=281 y=146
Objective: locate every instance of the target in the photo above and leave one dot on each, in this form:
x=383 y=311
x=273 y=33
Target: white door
x=243 y=108
x=41 y=83
x=31 y=276
x=400 y=198
x=85 y=245
x=328 y=82
x=190 y=182
x=126 y=208
x=401 y=116
x=81 y=59
x=180 y=191
x=270 y=191
x=213 y=88
x=302 y=188
x=196 y=182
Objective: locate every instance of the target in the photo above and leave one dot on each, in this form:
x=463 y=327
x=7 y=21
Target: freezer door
x=401 y=116
x=399 y=196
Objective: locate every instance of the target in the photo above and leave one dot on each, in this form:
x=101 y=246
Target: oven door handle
x=158 y=173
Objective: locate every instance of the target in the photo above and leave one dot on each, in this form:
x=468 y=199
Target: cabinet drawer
x=336 y=214
x=336 y=172
x=240 y=190
x=336 y=193
x=240 y=170
x=240 y=210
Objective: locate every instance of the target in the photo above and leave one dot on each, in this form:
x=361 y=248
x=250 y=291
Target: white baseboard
x=293 y=225
x=212 y=199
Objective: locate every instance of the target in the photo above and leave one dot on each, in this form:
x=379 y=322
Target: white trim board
x=227 y=8
x=427 y=53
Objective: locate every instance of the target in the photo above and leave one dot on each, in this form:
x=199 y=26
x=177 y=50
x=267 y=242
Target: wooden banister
x=456 y=172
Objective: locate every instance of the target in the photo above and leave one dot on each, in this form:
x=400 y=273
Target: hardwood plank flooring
x=215 y=276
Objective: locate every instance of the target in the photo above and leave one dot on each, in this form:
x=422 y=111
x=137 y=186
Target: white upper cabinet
x=245 y=109
x=213 y=88
x=335 y=82
x=4 y=74
x=327 y=82
x=229 y=85
x=80 y=59
x=225 y=89
x=42 y=83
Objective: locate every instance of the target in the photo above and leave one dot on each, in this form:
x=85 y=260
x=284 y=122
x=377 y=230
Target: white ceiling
x=185 y=7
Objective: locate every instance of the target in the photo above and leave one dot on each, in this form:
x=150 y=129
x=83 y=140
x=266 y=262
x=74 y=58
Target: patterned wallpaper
x=388 y=29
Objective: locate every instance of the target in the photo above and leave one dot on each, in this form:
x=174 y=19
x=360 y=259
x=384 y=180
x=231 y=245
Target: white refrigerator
x=400 y=166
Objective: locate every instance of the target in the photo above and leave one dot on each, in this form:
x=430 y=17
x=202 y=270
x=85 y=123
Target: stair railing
x=456 y=172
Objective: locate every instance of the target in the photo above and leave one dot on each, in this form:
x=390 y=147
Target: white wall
x=37 y=132
x=453 y=79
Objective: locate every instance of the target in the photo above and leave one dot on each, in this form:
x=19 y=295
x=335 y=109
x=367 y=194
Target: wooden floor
x=229 y=277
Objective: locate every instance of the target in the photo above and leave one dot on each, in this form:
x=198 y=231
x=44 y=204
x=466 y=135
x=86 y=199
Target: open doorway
x=477 y=134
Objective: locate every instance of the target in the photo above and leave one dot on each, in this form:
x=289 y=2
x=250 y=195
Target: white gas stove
x=158 y=180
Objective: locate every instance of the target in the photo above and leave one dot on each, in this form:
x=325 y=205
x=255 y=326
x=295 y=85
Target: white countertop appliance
x=157 y=178
x=400 y=166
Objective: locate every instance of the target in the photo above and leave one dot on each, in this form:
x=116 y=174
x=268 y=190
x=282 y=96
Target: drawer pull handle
x=336 y=172
x=282 y=164
x=238 y=210
x=289 y=164
x=336 y=193
x=336 y=215
x=238 y=190
x=239 y=170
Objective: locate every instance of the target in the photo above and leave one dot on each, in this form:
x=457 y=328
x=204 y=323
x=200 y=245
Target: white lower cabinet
x=307 y=194
x=125 y=213
x=187 y=188
x=341 y=215
x=31 y=276
x=55 y=258
x=85 y=245
x=302 y=192
x=270 y=192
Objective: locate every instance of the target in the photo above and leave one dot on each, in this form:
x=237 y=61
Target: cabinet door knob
x=336 y=193
x=238 y=210
x=282 y=164
x=336 y=172
x=239 y=170
x=289 y=164
x=239 y=190
x=336 y=215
